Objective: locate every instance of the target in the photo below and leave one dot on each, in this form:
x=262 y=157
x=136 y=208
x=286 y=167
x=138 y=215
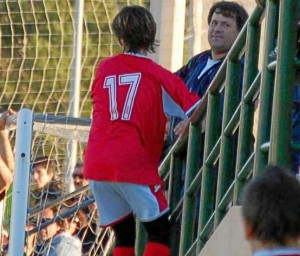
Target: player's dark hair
x=229 y=9
x=135 y=26
x=271 y=206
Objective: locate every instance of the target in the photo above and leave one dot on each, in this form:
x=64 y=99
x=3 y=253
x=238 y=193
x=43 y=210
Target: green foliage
x=36 y=54
x=37 y=51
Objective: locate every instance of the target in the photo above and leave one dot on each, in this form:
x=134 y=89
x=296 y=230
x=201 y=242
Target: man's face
x=222 y=33
x=52 y=229
x=78 y=179
x=40 y=177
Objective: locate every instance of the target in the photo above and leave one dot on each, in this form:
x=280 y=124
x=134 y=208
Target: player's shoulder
x=108 y=60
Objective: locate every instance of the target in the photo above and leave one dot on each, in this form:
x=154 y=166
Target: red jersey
x=126 y=138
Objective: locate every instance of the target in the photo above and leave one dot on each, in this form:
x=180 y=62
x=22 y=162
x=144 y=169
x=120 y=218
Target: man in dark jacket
x=225 y=20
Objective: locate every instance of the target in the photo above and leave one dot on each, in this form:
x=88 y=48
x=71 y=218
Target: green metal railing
x=219 y=163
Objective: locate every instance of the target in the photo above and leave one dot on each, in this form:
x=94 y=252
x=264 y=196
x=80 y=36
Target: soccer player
x=271 y=210
x=126 y=137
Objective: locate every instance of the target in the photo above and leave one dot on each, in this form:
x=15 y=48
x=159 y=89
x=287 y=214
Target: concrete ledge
x=228 y=239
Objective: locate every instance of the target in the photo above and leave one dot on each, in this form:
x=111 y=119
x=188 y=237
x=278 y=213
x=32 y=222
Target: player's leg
x=115 y=212
x=124 y=237
x=158 y=236
x=150 y=206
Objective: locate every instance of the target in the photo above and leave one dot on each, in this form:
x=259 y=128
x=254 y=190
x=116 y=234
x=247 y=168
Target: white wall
x=170 y=18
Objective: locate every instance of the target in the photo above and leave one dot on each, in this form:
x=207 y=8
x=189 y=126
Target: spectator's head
x=43 y=171
x=70 y=222
x=225 y=20
x=135 y=29
x=271 y=209
x=52 y=229
x=78 y=178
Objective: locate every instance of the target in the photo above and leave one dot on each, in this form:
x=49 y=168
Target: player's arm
x=6 y=154
x=6 y=176
x=178 y=91
x=5 y=148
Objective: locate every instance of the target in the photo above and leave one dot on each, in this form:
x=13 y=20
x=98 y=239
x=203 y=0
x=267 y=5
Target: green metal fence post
x=280 y=144
x=226 y=162
x=208 y=186
x=245 y=143
x=189 y=201
x=266 y=90
x=174 y=190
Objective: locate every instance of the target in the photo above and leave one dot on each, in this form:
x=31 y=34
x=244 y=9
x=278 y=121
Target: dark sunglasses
x=80 y=176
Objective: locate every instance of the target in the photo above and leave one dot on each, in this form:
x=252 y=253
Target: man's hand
x=180 y=127
x=3 y=118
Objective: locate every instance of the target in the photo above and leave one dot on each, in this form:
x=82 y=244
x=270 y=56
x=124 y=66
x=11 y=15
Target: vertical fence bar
x=76 y=63
x=226 y=162
x=175 y=181
x=21 y=182
x=245 y=143
x=280 y=144
x=208 y=185
x=266 y=89
x=189 y=202
x=175 y=186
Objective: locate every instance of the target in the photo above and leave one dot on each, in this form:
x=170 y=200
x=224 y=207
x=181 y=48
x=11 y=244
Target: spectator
x=46 y=184
x=271 y=210
x=225 y=21
x=58 y=236
x=43 y=172
x=79 y=181
x=78 y=178
x=4 y=241
x=88 y=217
x=6 y=155
x=126 y=137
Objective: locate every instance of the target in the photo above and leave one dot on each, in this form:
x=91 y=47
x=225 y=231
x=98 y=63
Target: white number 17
x=110 y=82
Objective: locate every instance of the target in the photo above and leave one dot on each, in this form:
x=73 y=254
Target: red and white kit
x=126 y=137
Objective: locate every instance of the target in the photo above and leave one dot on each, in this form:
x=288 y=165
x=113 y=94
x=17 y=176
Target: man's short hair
x=271 y=206
x=229 y=9
x=135 y=25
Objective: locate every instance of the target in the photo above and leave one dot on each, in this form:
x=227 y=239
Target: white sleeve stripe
x=171 y=108
x=192 y=108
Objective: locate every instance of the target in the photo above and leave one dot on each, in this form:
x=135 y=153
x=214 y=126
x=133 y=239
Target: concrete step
x=228 y=239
